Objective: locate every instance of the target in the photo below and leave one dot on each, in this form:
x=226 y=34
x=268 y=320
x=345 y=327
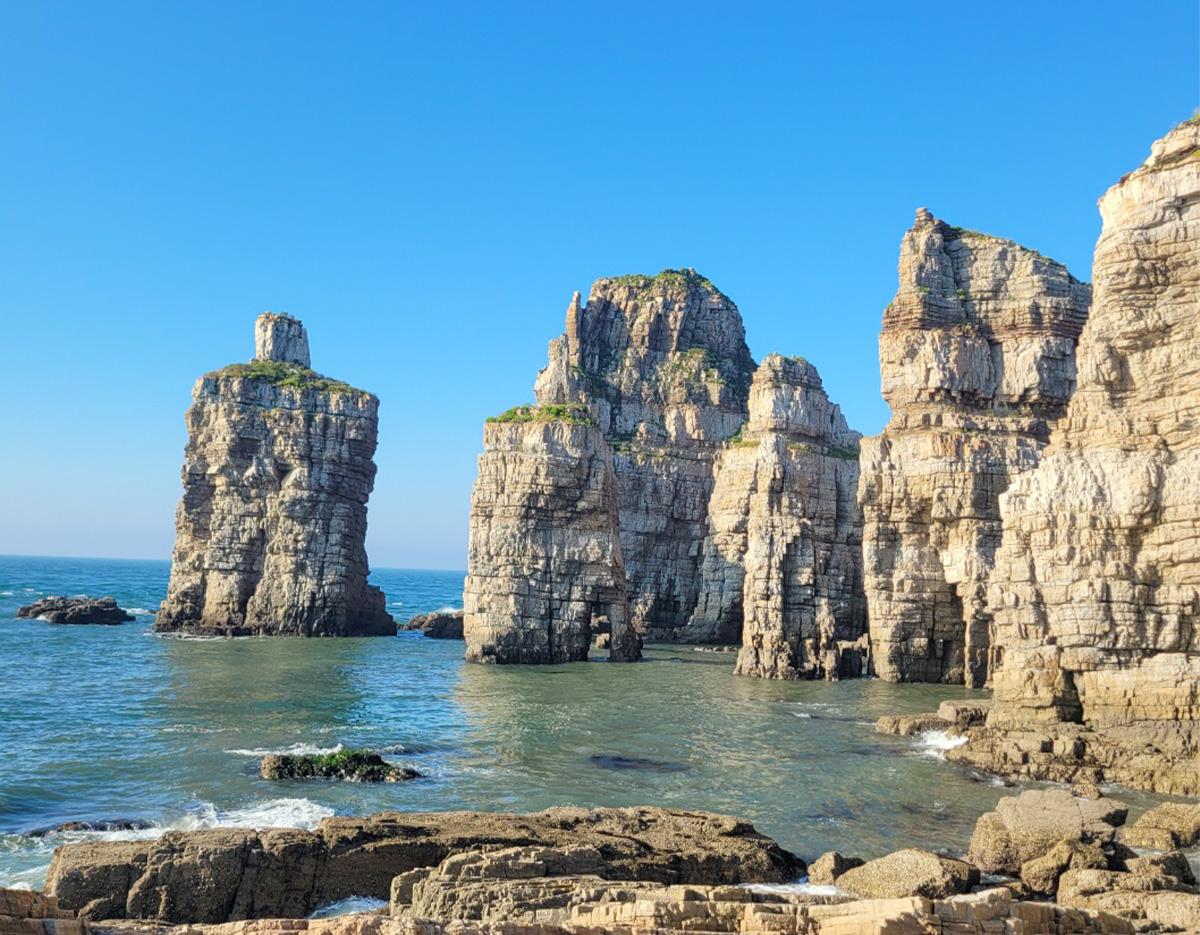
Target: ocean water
x=102 y=723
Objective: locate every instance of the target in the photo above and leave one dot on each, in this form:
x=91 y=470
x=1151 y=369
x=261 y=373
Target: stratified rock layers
x=977 y=358
x=663 y=364
x=270 y=531
x=1096 y=591
x=782 y=568
x=544 y=555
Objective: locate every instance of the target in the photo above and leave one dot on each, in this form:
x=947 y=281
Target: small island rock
x=352 y=765
x=77 y=610
x=438 y=625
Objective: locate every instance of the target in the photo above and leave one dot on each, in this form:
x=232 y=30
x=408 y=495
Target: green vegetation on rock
x=351 y=765
x=668 y=277
x=573 y=413
x=284 y=374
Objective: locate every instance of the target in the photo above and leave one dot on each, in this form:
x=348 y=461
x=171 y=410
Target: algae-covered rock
x=351 y=765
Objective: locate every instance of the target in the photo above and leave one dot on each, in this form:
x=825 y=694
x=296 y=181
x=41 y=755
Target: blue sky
x=426 y=186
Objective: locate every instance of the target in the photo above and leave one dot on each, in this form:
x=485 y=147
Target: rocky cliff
x=544 y=565
x=277 y=470
x=1096 y=590
x=977 y=359
x=662 y=363
x=782 y=566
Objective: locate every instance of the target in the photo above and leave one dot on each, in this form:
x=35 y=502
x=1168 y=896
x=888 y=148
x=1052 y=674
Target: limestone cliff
x=1096 y=590
x=977 y=360
x=783 y=552
x=544 y=555
x=277 y=470
x=662 y=363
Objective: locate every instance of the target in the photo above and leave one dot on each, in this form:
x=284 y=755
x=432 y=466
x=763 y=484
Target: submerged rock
x=77 y=610
x=977 y=362
x=270 y=531
x=229 y=874
x=636 y=763
x=103 y=824
x=438 y=625
x=351 y=765
x=1096 y=588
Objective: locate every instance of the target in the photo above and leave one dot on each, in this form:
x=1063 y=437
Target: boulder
x=1026 y=826
x=351 y=765
x=829 y=866
x=438 y=625
x=909 y=872
x=1149 y=897
x=1041 y=873
x=228 y=874
x=906 y=725
x=1170 y=825
x=77 y=610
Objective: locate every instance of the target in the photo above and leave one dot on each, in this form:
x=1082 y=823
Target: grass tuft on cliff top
x=573 y=413
x=670 y=277
x=281 y=373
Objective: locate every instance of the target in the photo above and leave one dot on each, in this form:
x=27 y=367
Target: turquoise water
x=114 y=722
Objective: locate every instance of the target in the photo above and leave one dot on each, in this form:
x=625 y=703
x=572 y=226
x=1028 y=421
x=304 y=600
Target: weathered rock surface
x=1026 y=826
x=270 y=530
x=438 y=625
x=229 y=874
x=663 y=364
x=1170 y=825
x=829 y=866
x=544 y=560
x=1150 y=896
x=1096 y=589
x=76 y=610
x=909 y=872
x=782 y=565
x=349 y=765
x=23 y=912
x=977 y=359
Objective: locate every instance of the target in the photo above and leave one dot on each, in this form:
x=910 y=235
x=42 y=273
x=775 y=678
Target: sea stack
x=662 y=364
x=1096 y=589
x=791 y=476
x=977 y=360
x=544 y=565
x=277 y=470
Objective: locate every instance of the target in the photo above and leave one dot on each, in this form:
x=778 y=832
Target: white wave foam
x=935 y=743
x=296 y=749
x=803 y=888
x=349 y=906
x=142 y=611
x=448 y=610
x=803 y=714
x=7 y=593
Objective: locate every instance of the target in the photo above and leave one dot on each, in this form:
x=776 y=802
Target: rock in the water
x=782 y=567
x=77 y=610
x=829 y=866
x=977 y=358
x=270 y=530
x=102 y=824
x=228 y=874
x=1096 y=588
x=663 y=364
x=909 y=872
x=544 y=559
x=438 y=625
x=351 y=765
x=1027 y=826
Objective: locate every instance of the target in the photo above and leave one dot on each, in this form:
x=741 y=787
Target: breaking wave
x=296 y=749
x=935 y=743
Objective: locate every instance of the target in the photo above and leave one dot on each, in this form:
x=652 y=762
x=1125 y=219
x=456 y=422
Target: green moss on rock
x=284 y=374
x=573 y=413
x=350 y=765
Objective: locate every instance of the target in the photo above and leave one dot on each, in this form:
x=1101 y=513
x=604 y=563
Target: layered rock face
x=270 y=531
x=977 y=359
x=782 y=566
x=544 y=565
x=1096 y=591
x=663 y=364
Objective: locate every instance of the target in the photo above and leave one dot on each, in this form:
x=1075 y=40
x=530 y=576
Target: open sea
x=101 y=723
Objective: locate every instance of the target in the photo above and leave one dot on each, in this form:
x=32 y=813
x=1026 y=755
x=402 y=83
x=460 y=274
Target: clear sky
x=426 y=184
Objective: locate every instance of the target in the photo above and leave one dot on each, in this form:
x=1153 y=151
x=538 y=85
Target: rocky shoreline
x=1045 y=860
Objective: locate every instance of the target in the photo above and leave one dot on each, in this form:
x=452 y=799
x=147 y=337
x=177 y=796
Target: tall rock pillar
x=277 y=470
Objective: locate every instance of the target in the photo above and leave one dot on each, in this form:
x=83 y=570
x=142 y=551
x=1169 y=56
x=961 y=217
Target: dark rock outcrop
x=437 y=625
x=228 y=874
x=350 y=765
x=77 y=610
x=270 y=531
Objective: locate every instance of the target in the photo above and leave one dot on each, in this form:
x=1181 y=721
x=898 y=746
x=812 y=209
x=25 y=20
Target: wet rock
x=350 y=765
x=269 y=535
x=909 y=872
x=829 y=866
x=228 y=874
x=1026 y=826
x=977 y=362
x=77 y=610
x=906 y=725
x=103 y=824
x=438 y=625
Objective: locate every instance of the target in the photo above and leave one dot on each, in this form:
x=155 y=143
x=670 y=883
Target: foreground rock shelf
x=1060 y=863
